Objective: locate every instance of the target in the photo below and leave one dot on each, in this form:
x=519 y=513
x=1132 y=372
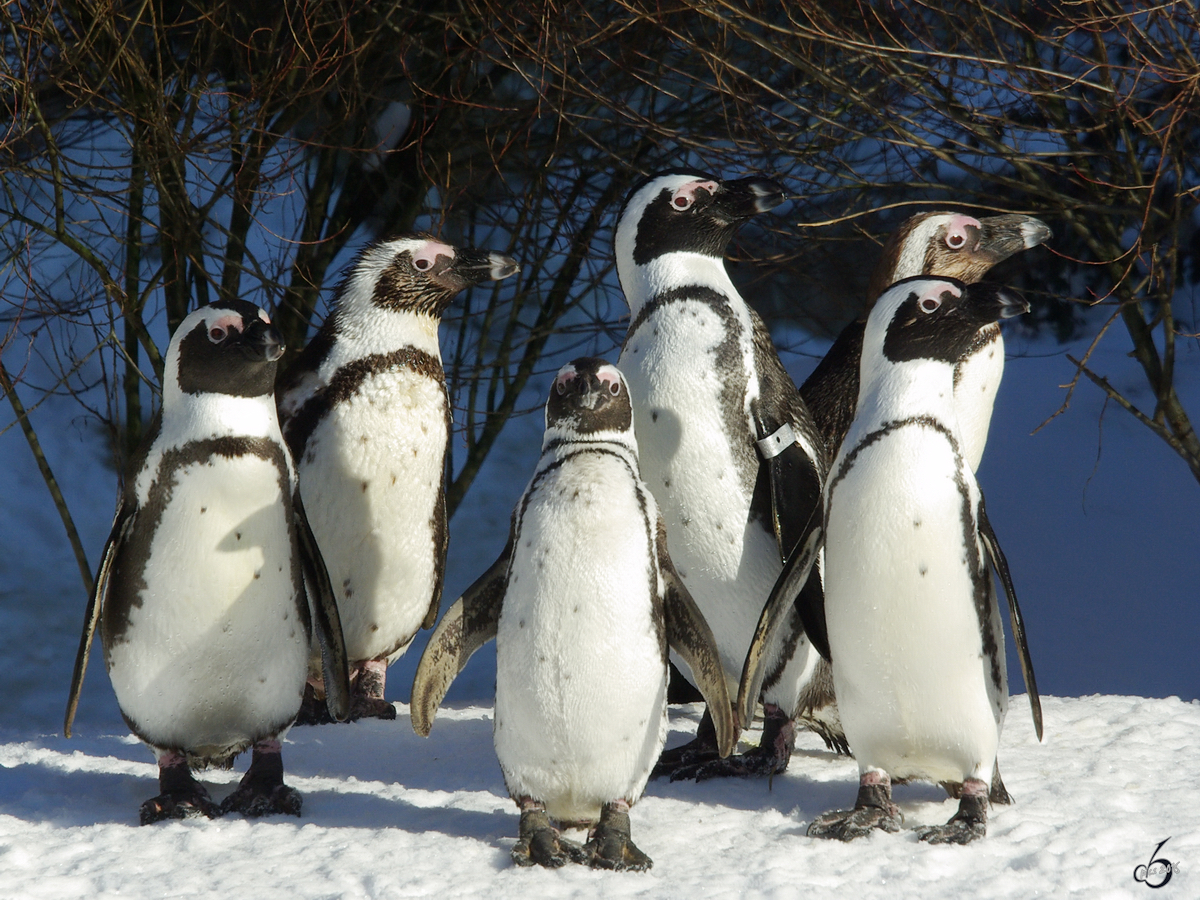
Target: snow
x=389 y=814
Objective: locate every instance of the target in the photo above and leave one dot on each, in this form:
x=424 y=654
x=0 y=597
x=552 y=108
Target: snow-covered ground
x=388 y=814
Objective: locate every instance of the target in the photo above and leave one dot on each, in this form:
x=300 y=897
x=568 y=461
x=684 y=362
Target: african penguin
x=204 y=589
x=941 y=244
x=583 y=603
x=365 y=412
x=727 y=446
x=914 y=626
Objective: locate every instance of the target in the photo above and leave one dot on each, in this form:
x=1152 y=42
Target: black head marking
x=419 y=273
x=938 y=319
x=589 y=395
x=690 y=211
x=230 y=348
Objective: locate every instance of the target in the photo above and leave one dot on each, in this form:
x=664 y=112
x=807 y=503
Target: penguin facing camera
x=583 y=602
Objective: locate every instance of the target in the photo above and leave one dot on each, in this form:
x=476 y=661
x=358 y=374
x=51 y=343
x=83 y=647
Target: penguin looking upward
x=210 y=584
x=913 y=621
x=941 y=244
x=727 y=446
x=583 y=603
x=366 y=414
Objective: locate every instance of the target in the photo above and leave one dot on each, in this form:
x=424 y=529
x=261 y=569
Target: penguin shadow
x=63 y=787
x=376 y=762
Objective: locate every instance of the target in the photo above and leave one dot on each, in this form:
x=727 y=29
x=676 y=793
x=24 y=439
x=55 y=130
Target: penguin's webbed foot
x=873 y=810
x=261 y=791
x=182 y=797
x=769 y=758
x=366 y=696
x=539 y=843
x=611 y=846
x=966 y=825
x=700 y=750
x=370 y=708
x=313 y=710
x=179 y=805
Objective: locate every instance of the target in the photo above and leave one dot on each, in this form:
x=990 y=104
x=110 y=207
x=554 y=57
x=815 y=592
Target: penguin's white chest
x=698 y=459
x=371 y=475
x=914 y=685
x=214 y=652
x=580 y=672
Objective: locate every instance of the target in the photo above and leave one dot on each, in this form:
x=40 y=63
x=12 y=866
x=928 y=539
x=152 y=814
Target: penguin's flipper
x=326 y=621
x=787 y=591
x=470 y=622
x=1000 y=564
x=794 y=480
x=689 y=635
x=122 y=522
x=441 y=542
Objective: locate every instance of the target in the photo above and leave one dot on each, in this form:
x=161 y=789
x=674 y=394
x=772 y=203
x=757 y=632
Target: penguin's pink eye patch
x=425 y=257
x=219 y=330
x=685 y=195
x=958 y=231
x=610 y=378
x=565 y=377
x=931 y=301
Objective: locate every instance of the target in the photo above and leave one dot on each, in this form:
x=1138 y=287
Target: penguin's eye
x=561 y=387
x=956 y=240
x=422 y=263
x=682 y=201
x=930 y=304
x=615 y=388
x=216 y=334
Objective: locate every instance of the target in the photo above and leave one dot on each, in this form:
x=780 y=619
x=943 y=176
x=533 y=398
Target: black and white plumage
x=727 y=445
x=945 y=245
x=366 y=415
x=914 y=626
x=211 y=583
x=583 y=603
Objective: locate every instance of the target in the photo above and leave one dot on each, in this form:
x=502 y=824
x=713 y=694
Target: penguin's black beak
x=262 y=342
x=1002 y=236
x=471 y=266
x=991 y=303
x=748 y=197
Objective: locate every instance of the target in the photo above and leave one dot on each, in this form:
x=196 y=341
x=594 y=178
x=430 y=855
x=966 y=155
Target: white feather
x=580 y=677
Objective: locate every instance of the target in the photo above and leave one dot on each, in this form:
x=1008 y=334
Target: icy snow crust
x=389 y=814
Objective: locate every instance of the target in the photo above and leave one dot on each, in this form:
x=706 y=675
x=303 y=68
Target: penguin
x=366 y=415
x=211 y=584
x=728 y=447
x=583 y=603
x=942 y=244
x=913 y=623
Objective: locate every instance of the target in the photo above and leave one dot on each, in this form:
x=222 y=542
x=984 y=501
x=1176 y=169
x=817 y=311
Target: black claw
x=261 y=791
x=312 y=710
x=539 y=843
x=370 y=708
x=873 y=810
x=611 y=847
x=181 y=797
x=701 y=749
x=966 y=825
x=178 y=805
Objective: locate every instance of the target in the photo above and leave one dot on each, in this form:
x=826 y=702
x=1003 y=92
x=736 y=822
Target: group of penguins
x=824 y=551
